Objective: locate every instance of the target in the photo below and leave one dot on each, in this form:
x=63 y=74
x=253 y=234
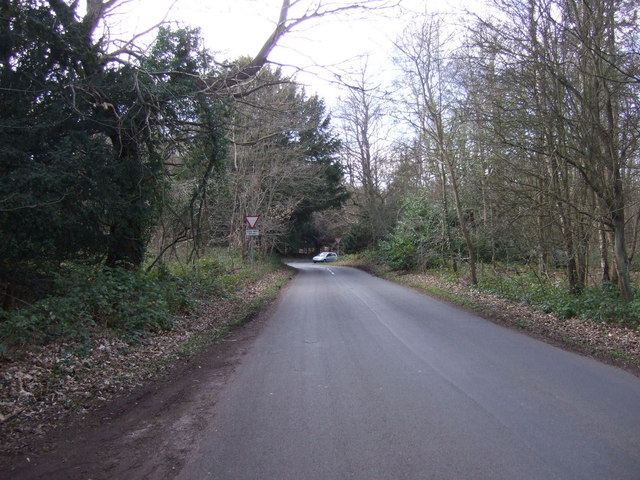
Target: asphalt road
x=357 y=378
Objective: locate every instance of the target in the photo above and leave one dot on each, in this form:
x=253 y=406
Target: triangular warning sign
x=252 y=220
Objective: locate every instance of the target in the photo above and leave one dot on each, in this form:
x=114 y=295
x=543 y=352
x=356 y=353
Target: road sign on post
x=252 y=232
x=251 y=220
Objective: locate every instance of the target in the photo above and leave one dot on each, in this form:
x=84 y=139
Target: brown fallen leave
x=42 y=386
x=615 y=344
x=45 y=385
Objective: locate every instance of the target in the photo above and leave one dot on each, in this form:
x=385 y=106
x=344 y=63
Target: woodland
x=505 y=153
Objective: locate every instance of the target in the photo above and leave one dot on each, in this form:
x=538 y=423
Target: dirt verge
x=123 y=411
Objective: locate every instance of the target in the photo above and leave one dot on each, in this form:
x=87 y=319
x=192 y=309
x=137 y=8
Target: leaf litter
x=41 y=387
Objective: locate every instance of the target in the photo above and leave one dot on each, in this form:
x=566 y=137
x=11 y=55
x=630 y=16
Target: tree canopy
x=102 y=151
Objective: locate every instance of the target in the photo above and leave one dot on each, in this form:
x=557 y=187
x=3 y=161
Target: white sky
x=240 y=27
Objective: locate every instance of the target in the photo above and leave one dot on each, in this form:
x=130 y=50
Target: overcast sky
x=240 y=27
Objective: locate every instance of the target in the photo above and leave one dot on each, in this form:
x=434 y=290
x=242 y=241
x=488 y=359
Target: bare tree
x=241 y=82
x=435 y=110
x=564 y=101
x=365 y=155
x=605 y=140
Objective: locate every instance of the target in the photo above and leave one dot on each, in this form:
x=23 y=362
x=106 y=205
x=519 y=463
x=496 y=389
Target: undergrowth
x=597 y=304
x=86 y=300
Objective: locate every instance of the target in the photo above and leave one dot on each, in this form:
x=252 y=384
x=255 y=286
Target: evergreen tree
x=84 y=135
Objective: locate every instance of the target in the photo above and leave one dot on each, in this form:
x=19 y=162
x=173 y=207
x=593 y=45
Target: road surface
x=358 y=378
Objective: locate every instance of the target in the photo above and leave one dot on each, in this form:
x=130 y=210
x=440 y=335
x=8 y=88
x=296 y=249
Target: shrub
x=86 y=299
x=416 y=241
x=597 y=304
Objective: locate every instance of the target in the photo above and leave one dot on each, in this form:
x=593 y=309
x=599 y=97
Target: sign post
x=252 y=232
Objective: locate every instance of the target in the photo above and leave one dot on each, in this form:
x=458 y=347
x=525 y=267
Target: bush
x=400 y=252
x=416 y=241
x=604 y=304
x=597 y=304
x=220 y=274
x=87 y=299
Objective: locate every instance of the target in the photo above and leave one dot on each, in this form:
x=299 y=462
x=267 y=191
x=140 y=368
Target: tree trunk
x=127 y=246
x=446 y=230
x=127 y=240
x=604 y=256
x=572 y=270
x=573 y=278
x=622 y=261
x=463 y=225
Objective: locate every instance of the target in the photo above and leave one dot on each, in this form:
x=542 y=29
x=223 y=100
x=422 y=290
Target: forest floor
x=62 y=409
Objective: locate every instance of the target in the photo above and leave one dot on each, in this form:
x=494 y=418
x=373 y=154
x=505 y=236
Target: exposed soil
x=146 y=434
x=126 y=412
x=133 y=412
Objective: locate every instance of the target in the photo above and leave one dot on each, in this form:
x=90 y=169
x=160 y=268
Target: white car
x=325 y=257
